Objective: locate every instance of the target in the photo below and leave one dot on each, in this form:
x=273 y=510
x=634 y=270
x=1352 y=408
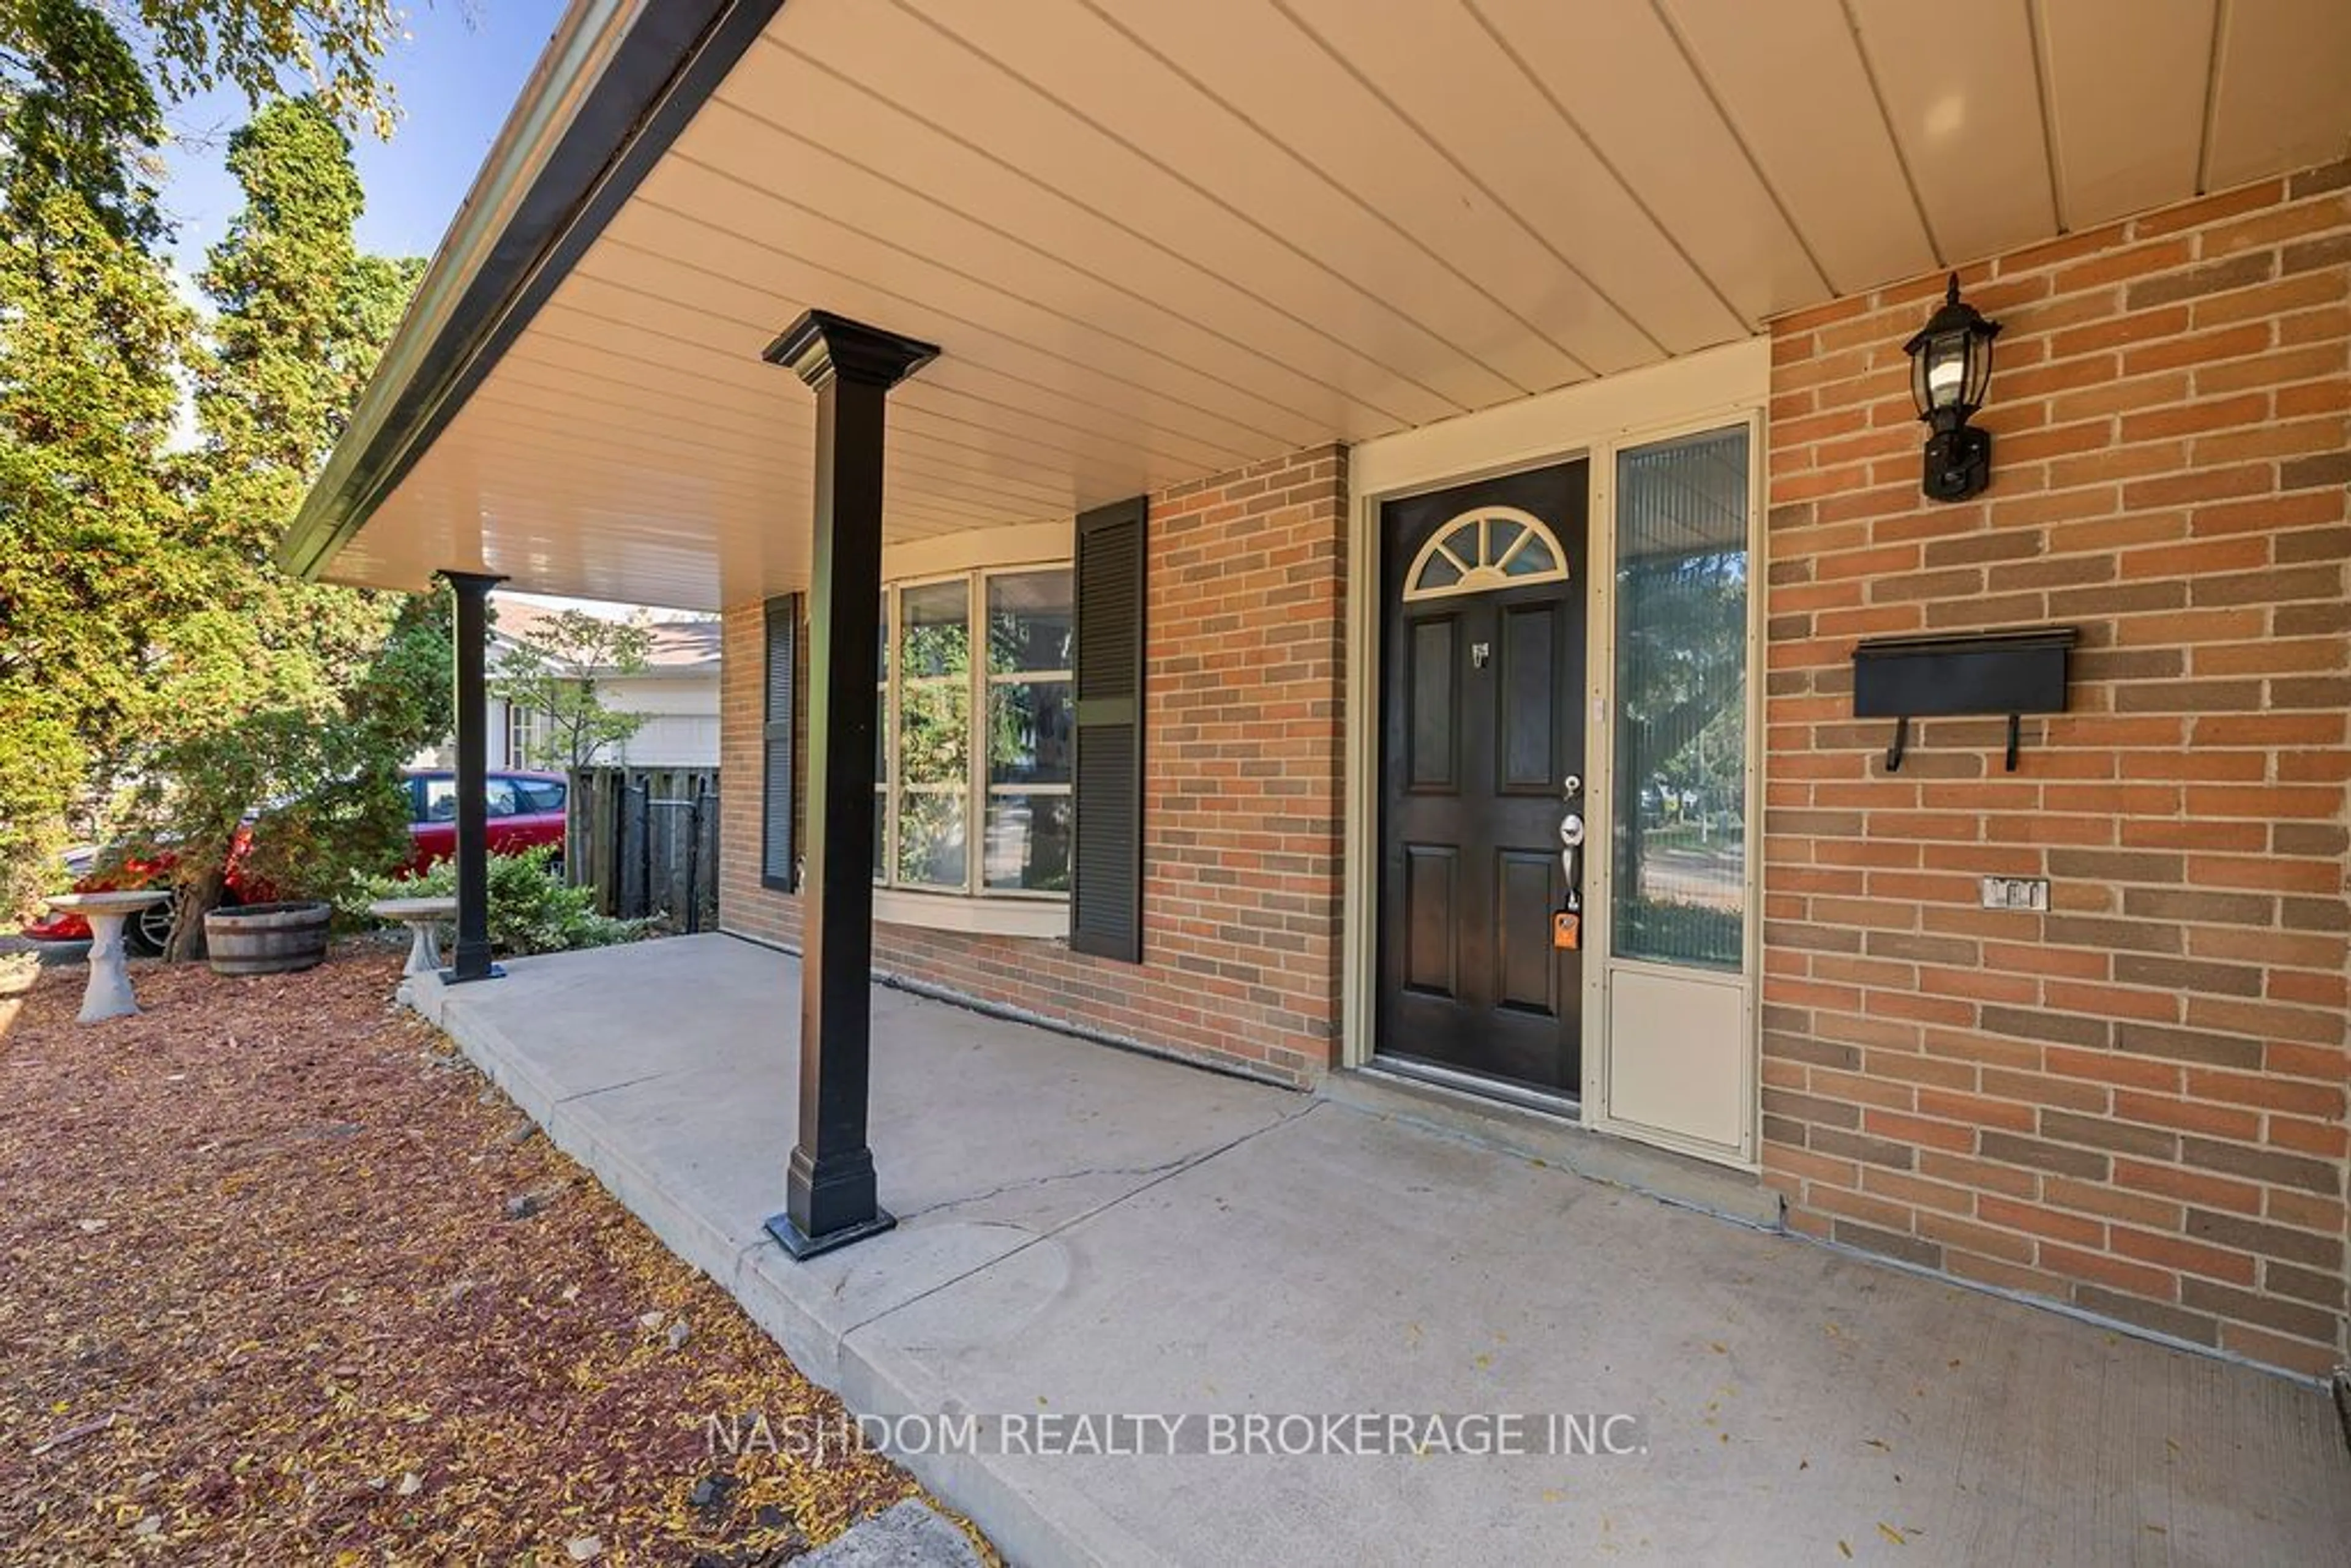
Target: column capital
x=471 y=581
x=821 y=346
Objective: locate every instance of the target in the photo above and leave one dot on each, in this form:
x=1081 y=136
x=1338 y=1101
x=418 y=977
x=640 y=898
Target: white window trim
x=1033 y=917
x=1047 y=911
x=1488 y=572
x=531 y=727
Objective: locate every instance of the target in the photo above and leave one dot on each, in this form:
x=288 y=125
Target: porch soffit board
x=2128 y=82
x=2279 y=99
x=1158 y=243
x=616 y=80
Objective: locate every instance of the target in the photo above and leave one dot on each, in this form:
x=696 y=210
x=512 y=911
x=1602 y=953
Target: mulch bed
x=283 y=1278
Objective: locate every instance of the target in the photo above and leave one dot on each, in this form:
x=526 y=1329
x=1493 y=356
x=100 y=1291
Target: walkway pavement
x=1087 y=1231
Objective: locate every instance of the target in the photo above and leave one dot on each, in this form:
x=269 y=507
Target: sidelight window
x=1681 y=741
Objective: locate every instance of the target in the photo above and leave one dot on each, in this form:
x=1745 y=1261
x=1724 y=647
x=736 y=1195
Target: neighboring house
x=1369 y=442
x=677 y=692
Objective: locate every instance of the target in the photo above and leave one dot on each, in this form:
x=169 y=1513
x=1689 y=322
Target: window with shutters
x=974 y=774
x=1106 y=906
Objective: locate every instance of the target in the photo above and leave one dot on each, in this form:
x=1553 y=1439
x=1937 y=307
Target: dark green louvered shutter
x=777 y=845
x=1106 y=896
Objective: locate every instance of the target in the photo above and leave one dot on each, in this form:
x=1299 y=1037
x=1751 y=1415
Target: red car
x=526 y=810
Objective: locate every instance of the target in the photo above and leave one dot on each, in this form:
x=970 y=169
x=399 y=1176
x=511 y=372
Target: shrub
x=531 y=910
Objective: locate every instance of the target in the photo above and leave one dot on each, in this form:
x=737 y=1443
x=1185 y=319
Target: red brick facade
x=2135 y=1102
x=1241 y=819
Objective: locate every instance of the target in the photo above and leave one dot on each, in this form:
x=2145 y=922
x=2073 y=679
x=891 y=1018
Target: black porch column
x=829 y=1199
x=470 y=637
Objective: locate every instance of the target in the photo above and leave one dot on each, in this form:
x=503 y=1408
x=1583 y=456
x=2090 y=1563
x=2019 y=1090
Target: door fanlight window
x=1486 y=549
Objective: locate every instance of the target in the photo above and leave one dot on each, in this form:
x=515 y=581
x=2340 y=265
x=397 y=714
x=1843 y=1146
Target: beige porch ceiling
x=1159 y=241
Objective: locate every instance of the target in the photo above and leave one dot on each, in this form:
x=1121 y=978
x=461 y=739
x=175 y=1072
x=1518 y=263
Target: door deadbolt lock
x=1572 y=786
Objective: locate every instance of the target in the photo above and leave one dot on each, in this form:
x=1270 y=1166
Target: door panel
x=1530 y=883
x=1482 y=720
x=1431 y=911
x=1530 y=752
x=1436 y=705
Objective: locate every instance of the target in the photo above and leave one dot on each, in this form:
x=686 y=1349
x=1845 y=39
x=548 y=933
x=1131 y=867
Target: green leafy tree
x=110 y=612
x=554 y=670
x=312 y=788
x=264 y=48
x=90 y=334
x=83 y=120
x=285 y=693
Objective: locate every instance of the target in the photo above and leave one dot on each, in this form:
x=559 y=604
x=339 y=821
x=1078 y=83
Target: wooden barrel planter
x=266 y=938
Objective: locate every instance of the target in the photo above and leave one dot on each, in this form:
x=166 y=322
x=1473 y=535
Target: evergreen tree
x=279 y=687
x=90 y=334
x=131 y=593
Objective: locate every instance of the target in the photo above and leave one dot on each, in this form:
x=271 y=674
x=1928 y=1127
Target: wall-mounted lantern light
x=1950 y=366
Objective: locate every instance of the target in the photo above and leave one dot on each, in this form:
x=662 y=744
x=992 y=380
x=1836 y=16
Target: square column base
x=451 y=977
x=803 y=1246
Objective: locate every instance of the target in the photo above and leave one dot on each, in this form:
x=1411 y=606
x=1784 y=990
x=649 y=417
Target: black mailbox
x=2011 y=673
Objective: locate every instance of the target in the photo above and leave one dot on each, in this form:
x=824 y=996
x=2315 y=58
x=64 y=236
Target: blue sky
x=460 y=70
x=456 y=75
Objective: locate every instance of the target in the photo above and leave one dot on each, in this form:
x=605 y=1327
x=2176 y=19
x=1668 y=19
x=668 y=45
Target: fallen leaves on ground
x=266 y=1300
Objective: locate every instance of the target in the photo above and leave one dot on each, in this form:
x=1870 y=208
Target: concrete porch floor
x=1087 y=1231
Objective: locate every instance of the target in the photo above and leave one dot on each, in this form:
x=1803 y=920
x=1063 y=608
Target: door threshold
x=1549 y=1131
x=1476 y=1086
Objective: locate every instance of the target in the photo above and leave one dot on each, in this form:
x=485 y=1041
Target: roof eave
x=618 y=83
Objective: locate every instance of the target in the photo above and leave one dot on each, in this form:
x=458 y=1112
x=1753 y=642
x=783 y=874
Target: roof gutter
x=619 y=81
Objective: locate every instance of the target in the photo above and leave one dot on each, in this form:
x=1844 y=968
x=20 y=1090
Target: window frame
x=527 y=727
x=978 y=790
x=899 y=681
x=527 y=792
x=422 y=809
x=492 y=784
x=1624 y=815
x=1490 y=571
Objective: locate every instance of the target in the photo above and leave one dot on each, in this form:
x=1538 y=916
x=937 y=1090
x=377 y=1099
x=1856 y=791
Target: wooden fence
x=646 y=839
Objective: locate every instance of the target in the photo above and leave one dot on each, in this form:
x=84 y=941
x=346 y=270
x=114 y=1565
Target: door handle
x=1567 y=925
x=1571 y=838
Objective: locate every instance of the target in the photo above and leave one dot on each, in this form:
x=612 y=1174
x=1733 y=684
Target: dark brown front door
x=1482 y=679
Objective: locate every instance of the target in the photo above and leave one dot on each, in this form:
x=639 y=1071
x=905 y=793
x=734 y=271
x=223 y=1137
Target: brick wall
x=2136 y=1103
x=1242 y=818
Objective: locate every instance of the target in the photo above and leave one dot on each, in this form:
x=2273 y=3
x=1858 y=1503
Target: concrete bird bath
x=108 y=994
x=423 y=917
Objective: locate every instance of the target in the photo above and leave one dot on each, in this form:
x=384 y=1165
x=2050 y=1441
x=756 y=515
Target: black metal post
x=830 y=1194
x=470 y=638
x=693 y=865
x=645 y=849
x=621 y=818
